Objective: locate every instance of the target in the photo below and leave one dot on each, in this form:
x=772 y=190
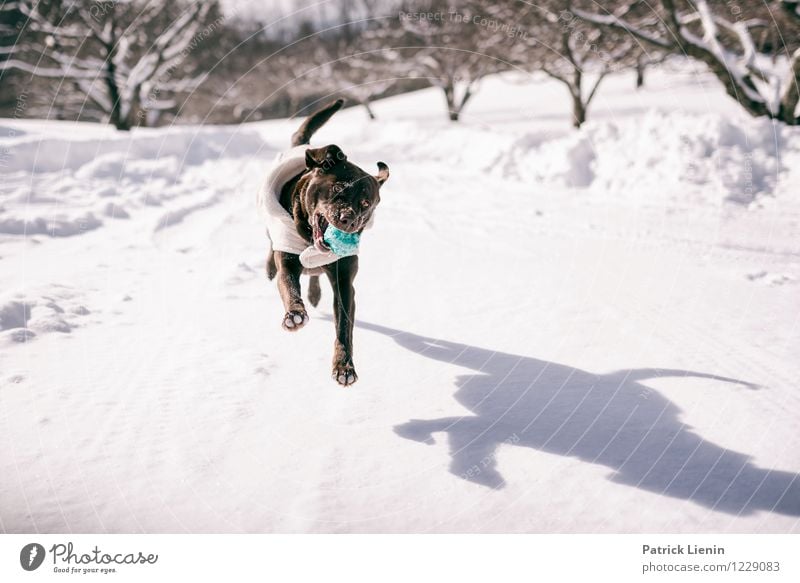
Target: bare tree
x=128 y=58
x=351 y=64
x=447 y=46
x=359 y=77
x=577 y=53
x=643 y=59
x=753 y=49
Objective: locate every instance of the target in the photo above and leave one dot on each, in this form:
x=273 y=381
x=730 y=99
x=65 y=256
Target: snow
x=557 y=331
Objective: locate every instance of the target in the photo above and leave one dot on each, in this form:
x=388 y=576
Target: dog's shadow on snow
x=612 y=420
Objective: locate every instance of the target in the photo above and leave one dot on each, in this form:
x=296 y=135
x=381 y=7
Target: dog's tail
x=314 y=122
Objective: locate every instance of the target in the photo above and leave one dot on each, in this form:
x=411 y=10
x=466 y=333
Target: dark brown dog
x=333 y=191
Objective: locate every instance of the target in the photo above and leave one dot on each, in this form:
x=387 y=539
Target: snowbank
x=59 y=185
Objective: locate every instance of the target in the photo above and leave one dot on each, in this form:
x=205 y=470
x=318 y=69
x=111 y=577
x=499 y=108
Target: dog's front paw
x=344 y=373
x=295 y=320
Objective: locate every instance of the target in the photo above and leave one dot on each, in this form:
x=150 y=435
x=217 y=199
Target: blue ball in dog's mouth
x=340 y=242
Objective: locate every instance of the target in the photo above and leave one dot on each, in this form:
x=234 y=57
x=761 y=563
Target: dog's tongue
x=319 y=243
x=318 y=234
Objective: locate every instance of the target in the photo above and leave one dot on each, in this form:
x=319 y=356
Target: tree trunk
x=578 y=106
x=455 y=106
x=137 y=114
x=370 y=113
x=466 y=97
x=578 y=110
x=449 y=97
x=791 y=95
x=639 y=74
x=115 y=115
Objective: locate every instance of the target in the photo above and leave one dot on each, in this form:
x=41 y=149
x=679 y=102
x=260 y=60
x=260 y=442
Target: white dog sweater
x=281 y=229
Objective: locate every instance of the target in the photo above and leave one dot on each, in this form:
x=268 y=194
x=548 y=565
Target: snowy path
x=556 y=361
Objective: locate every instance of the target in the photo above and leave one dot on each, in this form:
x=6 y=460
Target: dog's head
x=339 y=192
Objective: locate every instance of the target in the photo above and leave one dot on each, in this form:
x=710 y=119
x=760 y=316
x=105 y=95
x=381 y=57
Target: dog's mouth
x=318 y=226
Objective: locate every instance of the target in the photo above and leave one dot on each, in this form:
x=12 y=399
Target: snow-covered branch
x=121 y=55
x=765 y=84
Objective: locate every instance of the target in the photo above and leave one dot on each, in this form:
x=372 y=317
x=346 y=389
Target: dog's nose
x=346 y=217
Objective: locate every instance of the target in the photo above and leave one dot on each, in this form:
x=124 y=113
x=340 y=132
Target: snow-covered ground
x=558 y=331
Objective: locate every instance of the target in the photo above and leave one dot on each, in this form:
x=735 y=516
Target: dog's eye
x=365 y=204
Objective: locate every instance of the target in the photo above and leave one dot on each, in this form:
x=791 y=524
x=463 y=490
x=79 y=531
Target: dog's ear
x=324 y=158
x=383 y=173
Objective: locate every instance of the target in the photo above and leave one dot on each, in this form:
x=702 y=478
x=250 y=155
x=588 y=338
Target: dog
x=328 y=190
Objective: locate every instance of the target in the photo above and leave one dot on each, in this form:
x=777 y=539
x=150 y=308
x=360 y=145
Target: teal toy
x=341 y=243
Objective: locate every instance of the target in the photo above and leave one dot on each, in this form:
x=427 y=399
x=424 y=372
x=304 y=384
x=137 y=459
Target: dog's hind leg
x=272 y=268
x=314 y=291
